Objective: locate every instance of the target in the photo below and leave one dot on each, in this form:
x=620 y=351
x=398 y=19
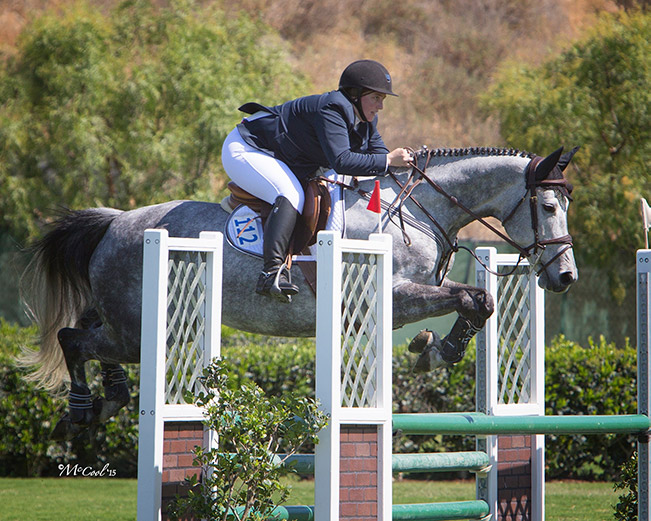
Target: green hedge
x=29 y=415
x=598 y=379
x=446 y=390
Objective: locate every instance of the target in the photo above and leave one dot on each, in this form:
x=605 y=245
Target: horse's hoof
x=65 y=430
x=420 y=342
x=429 y=360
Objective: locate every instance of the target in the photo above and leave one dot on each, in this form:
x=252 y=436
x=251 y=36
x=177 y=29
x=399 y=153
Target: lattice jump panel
x=359 y=325
x=514 y=334
x=186 y=324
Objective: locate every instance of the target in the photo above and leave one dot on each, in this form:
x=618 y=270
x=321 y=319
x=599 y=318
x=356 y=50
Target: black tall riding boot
x=275 y=279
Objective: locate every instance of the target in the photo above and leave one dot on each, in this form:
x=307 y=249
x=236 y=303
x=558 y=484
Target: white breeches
x=259 y=173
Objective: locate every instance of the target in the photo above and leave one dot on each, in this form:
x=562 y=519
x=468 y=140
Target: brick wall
x=358 y=494
x=179 y=441
x=514 y=478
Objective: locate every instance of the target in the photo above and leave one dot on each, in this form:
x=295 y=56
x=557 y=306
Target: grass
x=577 y=500
x=104 y=499
x=71 y=499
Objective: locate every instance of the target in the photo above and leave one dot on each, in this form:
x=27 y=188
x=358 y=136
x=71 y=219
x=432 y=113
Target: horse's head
x=539 y=222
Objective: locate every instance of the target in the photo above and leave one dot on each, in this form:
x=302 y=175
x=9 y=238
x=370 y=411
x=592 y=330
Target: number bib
x=244 y=231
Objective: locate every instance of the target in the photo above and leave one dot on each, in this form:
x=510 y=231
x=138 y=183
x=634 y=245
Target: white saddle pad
x=243 y=229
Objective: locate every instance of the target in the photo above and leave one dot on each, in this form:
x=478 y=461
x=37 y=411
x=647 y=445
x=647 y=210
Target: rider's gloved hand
x=400 y=157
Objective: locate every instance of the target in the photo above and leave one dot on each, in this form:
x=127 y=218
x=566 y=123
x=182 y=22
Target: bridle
x=536 y=248
x=532 y=184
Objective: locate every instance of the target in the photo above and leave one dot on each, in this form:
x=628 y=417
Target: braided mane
x=556 y=174
x=471 y=151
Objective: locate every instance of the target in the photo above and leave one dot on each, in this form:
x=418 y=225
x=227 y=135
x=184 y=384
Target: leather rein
x=417 y=175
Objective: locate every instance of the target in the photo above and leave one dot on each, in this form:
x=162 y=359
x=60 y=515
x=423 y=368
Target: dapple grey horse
x=84 y=280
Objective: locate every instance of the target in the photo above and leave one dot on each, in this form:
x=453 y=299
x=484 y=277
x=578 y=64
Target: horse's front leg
x=413 y=302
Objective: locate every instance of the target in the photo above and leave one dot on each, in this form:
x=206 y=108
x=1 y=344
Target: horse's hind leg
x=80 y=404
x=114 y=379
x=116 y=392
x=79 y=346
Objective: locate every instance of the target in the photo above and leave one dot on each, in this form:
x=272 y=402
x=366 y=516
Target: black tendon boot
x=454 y=345
x=275 y=279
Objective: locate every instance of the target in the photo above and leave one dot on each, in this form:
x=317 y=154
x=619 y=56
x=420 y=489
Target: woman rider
x=273 y=152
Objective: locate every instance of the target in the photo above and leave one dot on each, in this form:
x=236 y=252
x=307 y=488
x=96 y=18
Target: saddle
x=314 y=218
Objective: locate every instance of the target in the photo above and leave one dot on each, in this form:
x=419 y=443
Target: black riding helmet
x=364 y=75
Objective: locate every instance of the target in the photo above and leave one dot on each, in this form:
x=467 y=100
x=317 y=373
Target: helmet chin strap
x=358 y=105
x=356 y=100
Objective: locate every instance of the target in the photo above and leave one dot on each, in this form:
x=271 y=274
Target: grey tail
x=56 y=287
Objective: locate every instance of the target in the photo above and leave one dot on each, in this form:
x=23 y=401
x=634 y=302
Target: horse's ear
x=547 y=165
x=566 y=158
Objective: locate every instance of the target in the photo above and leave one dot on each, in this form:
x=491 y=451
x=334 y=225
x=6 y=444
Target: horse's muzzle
x=568 y=278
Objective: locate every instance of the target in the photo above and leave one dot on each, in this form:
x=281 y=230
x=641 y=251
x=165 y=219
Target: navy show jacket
x=317 y=131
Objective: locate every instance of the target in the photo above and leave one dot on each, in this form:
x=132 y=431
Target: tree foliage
x=127 y=108
x=597 y=94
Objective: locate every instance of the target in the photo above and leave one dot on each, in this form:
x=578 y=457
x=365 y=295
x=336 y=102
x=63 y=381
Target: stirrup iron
x=272 y=283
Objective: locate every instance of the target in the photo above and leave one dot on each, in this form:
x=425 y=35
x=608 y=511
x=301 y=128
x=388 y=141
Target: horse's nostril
x=567 y=278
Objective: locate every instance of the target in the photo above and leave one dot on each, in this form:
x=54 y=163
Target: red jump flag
x=374 y=203
x=375 y=206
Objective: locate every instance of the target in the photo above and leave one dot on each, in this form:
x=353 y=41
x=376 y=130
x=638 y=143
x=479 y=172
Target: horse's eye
x=549 y=208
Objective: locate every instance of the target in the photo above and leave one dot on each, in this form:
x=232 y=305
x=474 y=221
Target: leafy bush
x=26 y=412
x=29 y=415
x=446 y=390
x=599 y=379
x=241 y=478
x=277 y=365
x=626 y=508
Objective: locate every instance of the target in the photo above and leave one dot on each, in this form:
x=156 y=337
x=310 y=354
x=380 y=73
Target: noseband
x=536 y=248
